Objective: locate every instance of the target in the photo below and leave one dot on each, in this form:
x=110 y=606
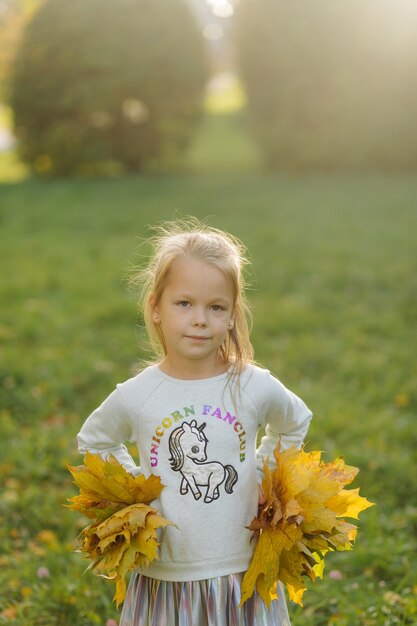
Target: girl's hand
x=261 y=496
x=261 y=504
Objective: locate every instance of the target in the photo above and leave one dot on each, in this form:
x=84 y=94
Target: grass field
x=334 y=295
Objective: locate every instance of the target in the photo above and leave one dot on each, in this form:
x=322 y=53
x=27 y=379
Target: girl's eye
x=183 y=303
x=217 y=307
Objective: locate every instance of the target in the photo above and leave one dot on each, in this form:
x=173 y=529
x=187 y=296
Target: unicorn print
x=187 y=445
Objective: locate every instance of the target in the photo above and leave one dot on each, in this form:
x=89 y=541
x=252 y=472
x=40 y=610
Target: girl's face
x=194 y=313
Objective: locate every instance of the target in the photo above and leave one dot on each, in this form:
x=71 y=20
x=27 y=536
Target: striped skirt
x=212 y=602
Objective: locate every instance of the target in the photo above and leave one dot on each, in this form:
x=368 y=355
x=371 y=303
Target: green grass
x=334 y=289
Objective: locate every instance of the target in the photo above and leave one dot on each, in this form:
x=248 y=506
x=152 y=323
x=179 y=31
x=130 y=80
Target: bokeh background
x=292 y=125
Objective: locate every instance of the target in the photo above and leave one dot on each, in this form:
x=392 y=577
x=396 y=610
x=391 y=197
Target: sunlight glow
x=135 y=110
x=221 y=8
x=213 y=32
x=224 y=93
x=4 y=6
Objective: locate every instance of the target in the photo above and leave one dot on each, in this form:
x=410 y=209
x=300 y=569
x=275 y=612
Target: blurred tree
x=14 y=14
x=330 y=83
x=107 y=82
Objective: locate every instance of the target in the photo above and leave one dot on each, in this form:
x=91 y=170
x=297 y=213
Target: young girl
x=194 y=415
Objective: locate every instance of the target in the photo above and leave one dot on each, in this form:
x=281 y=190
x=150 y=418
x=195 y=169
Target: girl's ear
x=154 y=308
x=232 y=321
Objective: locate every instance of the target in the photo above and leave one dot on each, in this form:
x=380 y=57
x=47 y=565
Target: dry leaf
x=123 y=534
x=299 y=522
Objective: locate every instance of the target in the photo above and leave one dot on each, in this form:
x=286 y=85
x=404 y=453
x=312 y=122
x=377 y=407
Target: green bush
x=330 y=83
x=98 y=83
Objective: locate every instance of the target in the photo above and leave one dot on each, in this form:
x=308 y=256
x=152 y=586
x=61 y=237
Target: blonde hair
x=192 y=239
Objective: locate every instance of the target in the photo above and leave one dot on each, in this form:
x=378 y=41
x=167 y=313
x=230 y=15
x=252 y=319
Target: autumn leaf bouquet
x=123 y=533
x=300 y=520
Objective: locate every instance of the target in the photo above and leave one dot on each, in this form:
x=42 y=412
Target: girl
x=194 y=415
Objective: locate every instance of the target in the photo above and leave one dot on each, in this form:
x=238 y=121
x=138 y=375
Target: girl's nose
x=200 y=322
x=199 y=318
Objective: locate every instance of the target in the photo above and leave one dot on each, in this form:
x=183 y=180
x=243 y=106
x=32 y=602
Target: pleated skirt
x=212 y=602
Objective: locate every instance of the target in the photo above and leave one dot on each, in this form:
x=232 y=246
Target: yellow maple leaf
x=338 y=470
x=108 y=481
x=300 y=521
x=348 y=503
x=123 y=534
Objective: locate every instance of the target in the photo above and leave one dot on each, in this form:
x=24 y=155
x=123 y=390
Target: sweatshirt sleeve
x=106 y=429
x=285 y=417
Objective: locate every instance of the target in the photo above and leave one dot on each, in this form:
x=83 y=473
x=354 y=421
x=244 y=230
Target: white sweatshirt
x=201 y=440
